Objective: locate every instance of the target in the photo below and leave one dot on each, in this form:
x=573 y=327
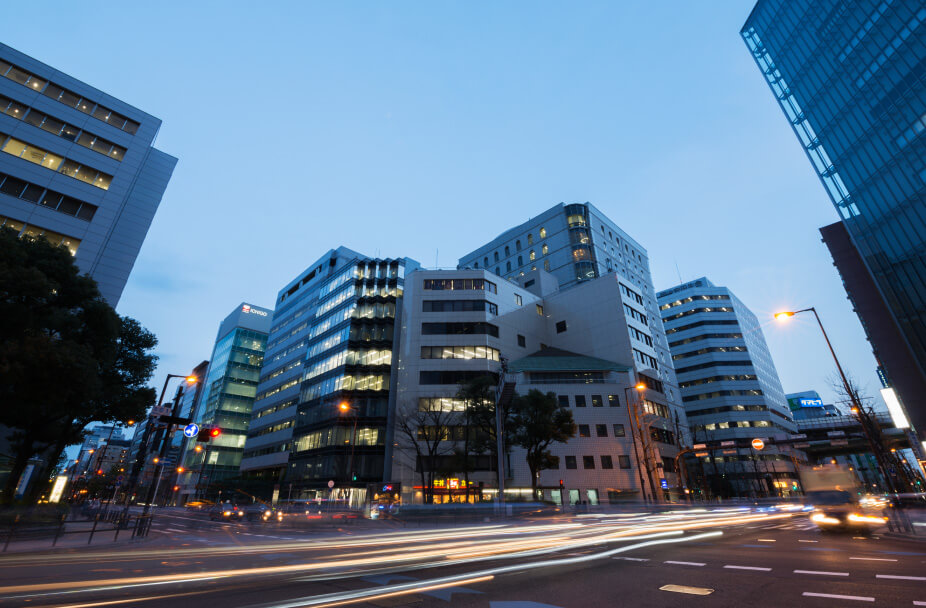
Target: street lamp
x=634 y=429
x=165 y=442
x=344 y=407
x=856 y=408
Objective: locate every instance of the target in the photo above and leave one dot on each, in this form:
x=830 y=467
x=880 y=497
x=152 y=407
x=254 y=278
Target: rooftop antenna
x=436 y=252
x=679 y=272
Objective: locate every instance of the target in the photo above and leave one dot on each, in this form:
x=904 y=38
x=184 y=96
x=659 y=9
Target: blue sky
x=425 y=129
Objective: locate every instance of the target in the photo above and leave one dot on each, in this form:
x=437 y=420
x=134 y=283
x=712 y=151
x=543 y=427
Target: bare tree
x=426 y=434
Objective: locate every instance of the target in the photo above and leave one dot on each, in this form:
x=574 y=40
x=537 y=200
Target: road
x=713 y=559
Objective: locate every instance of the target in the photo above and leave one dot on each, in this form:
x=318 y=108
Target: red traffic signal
x=205 y=435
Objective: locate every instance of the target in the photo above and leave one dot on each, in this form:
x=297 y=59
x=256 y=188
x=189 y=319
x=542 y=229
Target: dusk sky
x=426 y=129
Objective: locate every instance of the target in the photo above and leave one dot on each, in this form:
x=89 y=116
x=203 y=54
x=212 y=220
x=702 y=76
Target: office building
x=730 y=388
x=331 y=342
x=850 y=80
x=77 y=166
x=461 y=325
x=577 y=243
x=228 y=390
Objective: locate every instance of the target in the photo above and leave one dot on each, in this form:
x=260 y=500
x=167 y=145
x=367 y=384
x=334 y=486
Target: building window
x=521 y=341
x=459 y=284
x=584 y=431
x=543 y=233
x=498 y=270
x=619 y=430
x=517 y=245
x=531 y=282
x=532 y=255
x=520 y=261
x=571 y=462
x=613 y=401
x=597 y=401
x=580 y=400
x=546 y=265
x=544 y=250
x=601 y=430
x=563 y=400
x=588 y=462
x=606 y=462
x=560 y=327
x=530 y=239
x=508 y=266
x=496 y=256
x=507 y=251
x=623 y=462
x=540 y=310
x=485 y=261
x=517 y=300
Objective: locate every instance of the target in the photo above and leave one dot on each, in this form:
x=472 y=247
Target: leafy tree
x=480 y=416
x=66 y=357
x=427 y=435
x=539 y=421
x=476 y=396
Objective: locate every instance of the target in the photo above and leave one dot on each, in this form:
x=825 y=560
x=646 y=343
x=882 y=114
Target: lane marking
x=749 y=568
x=821 y=572
x=916 y=603
x=633 y=559
x=901 y=578
x=833 y=596
x=801 y=540
x=766 y=540
x=875 y=559
x=686 y=589
x=685 y=563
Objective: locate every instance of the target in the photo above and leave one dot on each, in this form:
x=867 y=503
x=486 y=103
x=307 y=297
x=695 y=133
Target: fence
x=122 y=522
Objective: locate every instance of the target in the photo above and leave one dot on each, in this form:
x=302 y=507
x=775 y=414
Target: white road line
x=875 y=559
x=857 y=598
x=916 y=603
x=685 y=589
x=901 y=578
x=821 y=572
x=801 y=540
x=749 y=568
x=685 y=563
x=176 y=530
x=633 y=559
x=766 y=540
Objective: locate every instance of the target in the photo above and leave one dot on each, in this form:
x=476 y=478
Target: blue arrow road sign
x=191 y=430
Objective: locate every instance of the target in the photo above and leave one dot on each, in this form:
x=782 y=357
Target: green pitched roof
x=557 y=360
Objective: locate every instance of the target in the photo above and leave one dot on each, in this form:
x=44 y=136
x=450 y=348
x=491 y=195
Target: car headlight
x=823 y=518
x=866 y=519
x=226 y=513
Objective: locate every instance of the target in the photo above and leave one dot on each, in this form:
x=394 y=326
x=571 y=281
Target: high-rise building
x=463 y=324
x=577 y=243
x=729 y=386
x=850 y=80
x=77 y=166
x=331 y=341
x=228 y=391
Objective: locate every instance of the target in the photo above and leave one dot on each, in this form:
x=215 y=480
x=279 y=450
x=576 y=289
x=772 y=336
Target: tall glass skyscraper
x=851 y=79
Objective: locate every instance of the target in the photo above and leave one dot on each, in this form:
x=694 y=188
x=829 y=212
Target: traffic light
x=206 y=435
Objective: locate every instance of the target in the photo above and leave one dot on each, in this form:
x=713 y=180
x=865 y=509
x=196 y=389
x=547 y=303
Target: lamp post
x=344 y=407
x=165 y=439
x=634 y=429
x=857 y=409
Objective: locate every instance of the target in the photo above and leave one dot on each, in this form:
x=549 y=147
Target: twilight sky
x=426 y=129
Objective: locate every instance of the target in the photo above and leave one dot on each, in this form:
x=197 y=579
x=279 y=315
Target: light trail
x=518 y=543
x=350 y=597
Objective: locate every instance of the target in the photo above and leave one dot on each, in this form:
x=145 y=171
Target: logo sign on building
x=664 y=484
x=811 y=402
x=191 y=430
x=758 y=444
x=245 y=308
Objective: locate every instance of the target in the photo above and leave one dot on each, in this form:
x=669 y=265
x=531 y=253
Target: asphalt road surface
x=735 y=559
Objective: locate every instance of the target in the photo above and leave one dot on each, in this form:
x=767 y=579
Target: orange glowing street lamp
x=640 y=387
x=192 y=379
x=344 y=406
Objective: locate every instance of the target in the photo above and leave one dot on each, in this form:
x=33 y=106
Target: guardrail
x=22 y=529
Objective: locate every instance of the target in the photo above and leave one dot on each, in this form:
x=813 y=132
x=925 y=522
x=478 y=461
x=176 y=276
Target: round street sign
x=331 y=484
x=757 y=444
x=191 y=430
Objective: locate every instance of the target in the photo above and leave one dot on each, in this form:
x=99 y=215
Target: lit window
x=532 y=255
x=544 y=250
x=543 y=233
